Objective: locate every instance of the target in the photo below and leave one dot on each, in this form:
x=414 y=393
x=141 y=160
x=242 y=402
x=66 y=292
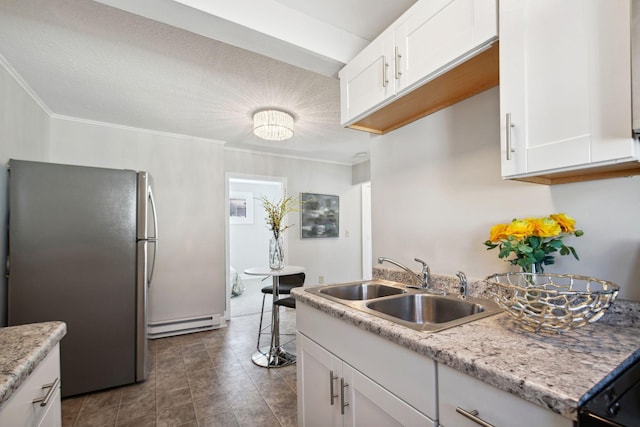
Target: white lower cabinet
x=42 y=386
x=351 y=377
x=333 y=393
x=459 y=392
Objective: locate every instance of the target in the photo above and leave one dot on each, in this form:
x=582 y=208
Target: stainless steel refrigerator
x=82 y=248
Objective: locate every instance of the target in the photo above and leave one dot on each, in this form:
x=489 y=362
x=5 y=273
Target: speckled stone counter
x=22 y=348
x=555 y=371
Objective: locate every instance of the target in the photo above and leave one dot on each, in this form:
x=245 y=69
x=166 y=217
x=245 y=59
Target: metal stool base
x=277 y=358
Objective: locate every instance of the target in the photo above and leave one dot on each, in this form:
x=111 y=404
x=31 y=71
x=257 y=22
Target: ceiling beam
x=265 y=27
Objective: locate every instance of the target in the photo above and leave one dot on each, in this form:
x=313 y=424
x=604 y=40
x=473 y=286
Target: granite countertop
x=22 y=348
x=555 y=371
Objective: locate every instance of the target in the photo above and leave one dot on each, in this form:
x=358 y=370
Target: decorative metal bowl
x=556 y=302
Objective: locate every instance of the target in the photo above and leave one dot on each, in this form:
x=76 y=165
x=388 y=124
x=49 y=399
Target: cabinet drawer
x=20 y=409
x=497 y=407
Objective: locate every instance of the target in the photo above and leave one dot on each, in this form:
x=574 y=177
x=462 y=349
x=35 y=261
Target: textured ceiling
x=91 y=61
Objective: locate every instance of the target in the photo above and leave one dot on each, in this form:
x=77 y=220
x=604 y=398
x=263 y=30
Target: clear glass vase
x=531 y=271
x=276 y=253
x=535 y=268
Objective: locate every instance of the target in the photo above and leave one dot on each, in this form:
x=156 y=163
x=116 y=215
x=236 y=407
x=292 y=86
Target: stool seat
x=286 y=302
x=283 y=289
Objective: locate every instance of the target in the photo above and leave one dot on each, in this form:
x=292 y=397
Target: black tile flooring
x=197 y=380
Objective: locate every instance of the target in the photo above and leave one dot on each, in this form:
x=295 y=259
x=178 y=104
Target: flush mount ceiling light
x=273 y=125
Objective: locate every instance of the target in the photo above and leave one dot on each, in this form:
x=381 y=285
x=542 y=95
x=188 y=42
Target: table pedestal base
x=276 y=358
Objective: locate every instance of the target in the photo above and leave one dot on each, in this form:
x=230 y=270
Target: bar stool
x=285 y=284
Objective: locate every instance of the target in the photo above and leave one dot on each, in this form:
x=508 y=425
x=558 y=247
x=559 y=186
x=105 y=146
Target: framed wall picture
x=319 y=216
x=240 y=207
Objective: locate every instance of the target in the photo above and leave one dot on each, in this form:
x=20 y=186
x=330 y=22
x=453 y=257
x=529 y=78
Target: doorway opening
x=248 y=240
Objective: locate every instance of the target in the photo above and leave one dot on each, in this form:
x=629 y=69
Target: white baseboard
x=174 y=327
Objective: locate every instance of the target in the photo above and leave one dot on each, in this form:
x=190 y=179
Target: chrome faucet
x=424 y=277
x=463 y=284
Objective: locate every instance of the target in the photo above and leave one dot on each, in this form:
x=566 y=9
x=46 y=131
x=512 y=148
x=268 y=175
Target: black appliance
x=617 y=404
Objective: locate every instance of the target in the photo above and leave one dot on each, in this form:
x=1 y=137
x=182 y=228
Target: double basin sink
x=414 y=308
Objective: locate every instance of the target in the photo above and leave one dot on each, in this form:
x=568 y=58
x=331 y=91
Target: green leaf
x=556 y=243
x=573 y=251
x=564 y=251
x=539 y=255
x=578 y=233
x=534 y=241
x=524 y=248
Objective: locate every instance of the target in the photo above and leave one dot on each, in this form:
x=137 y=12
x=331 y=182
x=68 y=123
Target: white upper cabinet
x=565 y=86
x=428 y=40
x=365 y=82
x=435 y=34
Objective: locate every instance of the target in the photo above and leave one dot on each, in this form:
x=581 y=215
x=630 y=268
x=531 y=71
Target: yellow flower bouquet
x=533 y=241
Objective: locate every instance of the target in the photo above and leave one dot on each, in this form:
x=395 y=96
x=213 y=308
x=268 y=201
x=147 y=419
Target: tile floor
x=197 y=380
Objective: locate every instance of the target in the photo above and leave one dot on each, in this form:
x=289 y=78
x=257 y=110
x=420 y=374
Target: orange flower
x=520 y=229
x=498 y=232
x=566 y=223
x=544 y=227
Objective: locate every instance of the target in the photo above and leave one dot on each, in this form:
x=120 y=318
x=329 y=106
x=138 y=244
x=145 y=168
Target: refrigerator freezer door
x=72 y=251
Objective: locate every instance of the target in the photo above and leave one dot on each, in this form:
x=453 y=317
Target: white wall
x=190 y=276
x=189 y=189
x=249 y=243
x=24 y=134
x=337 y=259
x=436 y=191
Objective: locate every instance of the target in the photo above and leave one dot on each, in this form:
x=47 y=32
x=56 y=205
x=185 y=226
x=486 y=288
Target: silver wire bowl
x=555 y=302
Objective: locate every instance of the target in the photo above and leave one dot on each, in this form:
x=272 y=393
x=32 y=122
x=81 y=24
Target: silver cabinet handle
x=473 y=416
x=52 y=388
x=508 y=131
x=331 y=379
x=398 y=56
x=385 y=64
x=343 y=404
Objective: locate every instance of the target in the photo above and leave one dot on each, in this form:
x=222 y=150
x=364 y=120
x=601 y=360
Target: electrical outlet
x=347 y=233
x=320 y=279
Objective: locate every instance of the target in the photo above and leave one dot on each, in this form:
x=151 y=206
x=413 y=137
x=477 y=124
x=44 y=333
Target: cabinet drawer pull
x=508 y=127
x=385 y=64
x=52 y=388
x=331 y=379
x=398 y=56
x=343 y=404
x=473 y=416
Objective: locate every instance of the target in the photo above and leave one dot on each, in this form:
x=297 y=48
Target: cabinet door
x=319 y=374
x=439 y=33
x=367 y=81
x=370 y=405
x=497 y=407
x=53 y=415
x=564 y=84
x=20 y=410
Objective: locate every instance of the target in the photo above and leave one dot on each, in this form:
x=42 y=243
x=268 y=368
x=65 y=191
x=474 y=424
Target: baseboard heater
x=170 y=328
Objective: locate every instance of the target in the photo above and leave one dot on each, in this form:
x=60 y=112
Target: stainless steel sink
x=426 y=308
x=361 y=291
x=414 y=308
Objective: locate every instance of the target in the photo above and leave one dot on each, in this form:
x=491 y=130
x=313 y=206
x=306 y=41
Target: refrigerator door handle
x=153 y=239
